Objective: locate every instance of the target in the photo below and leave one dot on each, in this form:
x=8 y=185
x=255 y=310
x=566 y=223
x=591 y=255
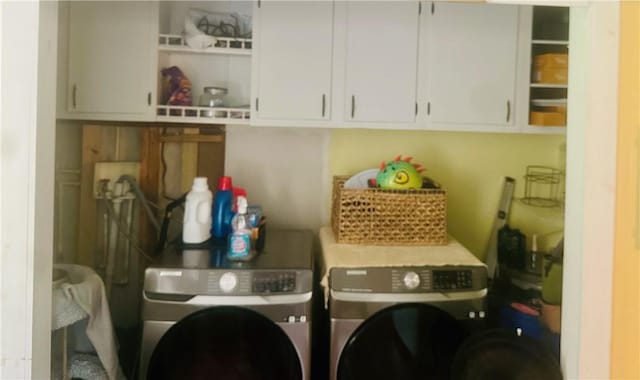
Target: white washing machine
x=205 y=317
x=400 y=312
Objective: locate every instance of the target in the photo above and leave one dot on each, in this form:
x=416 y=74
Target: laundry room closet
x=287 y=101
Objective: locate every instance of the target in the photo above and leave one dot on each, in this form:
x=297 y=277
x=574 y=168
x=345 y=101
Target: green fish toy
x=399 y=174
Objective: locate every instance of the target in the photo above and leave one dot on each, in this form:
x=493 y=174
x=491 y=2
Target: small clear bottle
x=240 y=237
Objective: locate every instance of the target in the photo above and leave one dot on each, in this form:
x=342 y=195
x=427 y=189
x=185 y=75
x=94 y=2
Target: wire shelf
x=209 y=115
x=224 y=45
x=542 y=186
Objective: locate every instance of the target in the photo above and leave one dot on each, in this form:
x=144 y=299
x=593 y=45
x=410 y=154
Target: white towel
x=87 y=289
x=65 y=310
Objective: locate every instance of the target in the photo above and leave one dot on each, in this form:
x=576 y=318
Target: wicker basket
x=388 y=217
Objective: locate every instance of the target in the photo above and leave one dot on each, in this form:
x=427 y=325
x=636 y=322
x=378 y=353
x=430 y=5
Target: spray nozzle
x=241 y=203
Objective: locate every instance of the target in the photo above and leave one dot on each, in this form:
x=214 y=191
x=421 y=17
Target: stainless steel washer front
x=206 y=317
x=269 y=335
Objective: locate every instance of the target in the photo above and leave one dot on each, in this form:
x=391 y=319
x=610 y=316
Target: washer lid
x=284 y=249
x=225 y=342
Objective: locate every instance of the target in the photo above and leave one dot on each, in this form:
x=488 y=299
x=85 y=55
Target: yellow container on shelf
x=548 y=118
x=550 y=75
x=552 y=60
x=551 y=68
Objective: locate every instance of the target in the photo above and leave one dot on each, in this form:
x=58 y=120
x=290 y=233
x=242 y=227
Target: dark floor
x=129 y=350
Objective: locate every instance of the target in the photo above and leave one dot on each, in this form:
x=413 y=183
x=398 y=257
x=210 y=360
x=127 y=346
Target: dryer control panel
x=452 y=279
x=421 y=279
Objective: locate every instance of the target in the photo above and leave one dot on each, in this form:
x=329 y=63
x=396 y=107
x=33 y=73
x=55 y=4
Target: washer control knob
x=228 y=282
x=411 y=280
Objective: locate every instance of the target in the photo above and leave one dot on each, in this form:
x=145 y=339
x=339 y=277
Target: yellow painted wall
x=625 y=338
x=470 y=166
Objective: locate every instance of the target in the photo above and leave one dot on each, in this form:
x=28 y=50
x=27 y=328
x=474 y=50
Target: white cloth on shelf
x=86 y=288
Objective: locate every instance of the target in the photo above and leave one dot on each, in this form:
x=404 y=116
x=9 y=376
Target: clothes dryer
x=400 y=312
x=207 y=317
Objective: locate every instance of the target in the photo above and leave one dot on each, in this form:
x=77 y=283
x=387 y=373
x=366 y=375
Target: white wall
x=282 y=169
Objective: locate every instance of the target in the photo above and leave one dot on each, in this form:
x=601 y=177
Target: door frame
x=28 y=159
x=28 y=55
x=590 y=190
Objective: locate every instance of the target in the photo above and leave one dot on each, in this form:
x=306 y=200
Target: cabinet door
x=294 y=60
x=471 y=63
x=110 y=62
x=381 y=61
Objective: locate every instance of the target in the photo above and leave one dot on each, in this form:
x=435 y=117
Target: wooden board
x=99 y=143
x=149 y=183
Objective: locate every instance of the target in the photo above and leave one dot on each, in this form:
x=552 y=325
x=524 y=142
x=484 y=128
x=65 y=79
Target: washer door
x=406 y=341
x=225 y=342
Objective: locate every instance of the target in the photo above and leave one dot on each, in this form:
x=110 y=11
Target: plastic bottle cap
x=239 y=191
x=200 y=184
x=224 y=183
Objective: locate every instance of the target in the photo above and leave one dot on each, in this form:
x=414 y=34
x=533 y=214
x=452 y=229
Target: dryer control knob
x=228 y=282
x=411 y=280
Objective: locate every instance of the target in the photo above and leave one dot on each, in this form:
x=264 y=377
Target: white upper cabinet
x=111 y=63
x=293 y=60
x=470 y=65
x=381 y=61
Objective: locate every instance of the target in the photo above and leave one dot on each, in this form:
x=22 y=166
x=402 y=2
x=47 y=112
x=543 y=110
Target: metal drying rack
x=542 y=186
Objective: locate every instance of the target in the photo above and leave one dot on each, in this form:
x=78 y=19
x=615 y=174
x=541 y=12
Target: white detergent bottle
x=240 y=238
x=197 y=213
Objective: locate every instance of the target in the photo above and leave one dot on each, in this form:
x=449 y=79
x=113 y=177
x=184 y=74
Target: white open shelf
x=550 y=42
x=546 y=129
x=548 y=85
x=205 y=115
x=177 y=44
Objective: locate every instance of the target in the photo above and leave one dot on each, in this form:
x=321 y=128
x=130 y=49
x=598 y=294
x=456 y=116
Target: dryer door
x=406 y=341
x=225 y=342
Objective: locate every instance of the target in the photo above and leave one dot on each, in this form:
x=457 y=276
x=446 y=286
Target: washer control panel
x=273 y=282
x=236 y=282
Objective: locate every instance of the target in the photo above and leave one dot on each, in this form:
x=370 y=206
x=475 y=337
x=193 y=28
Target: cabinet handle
x=416 y=109
x=353 y=105
x=428 y=108
x=73 y=96
x=149 y=98
x=508 y=110
x=257 y=104
x=324 y=103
